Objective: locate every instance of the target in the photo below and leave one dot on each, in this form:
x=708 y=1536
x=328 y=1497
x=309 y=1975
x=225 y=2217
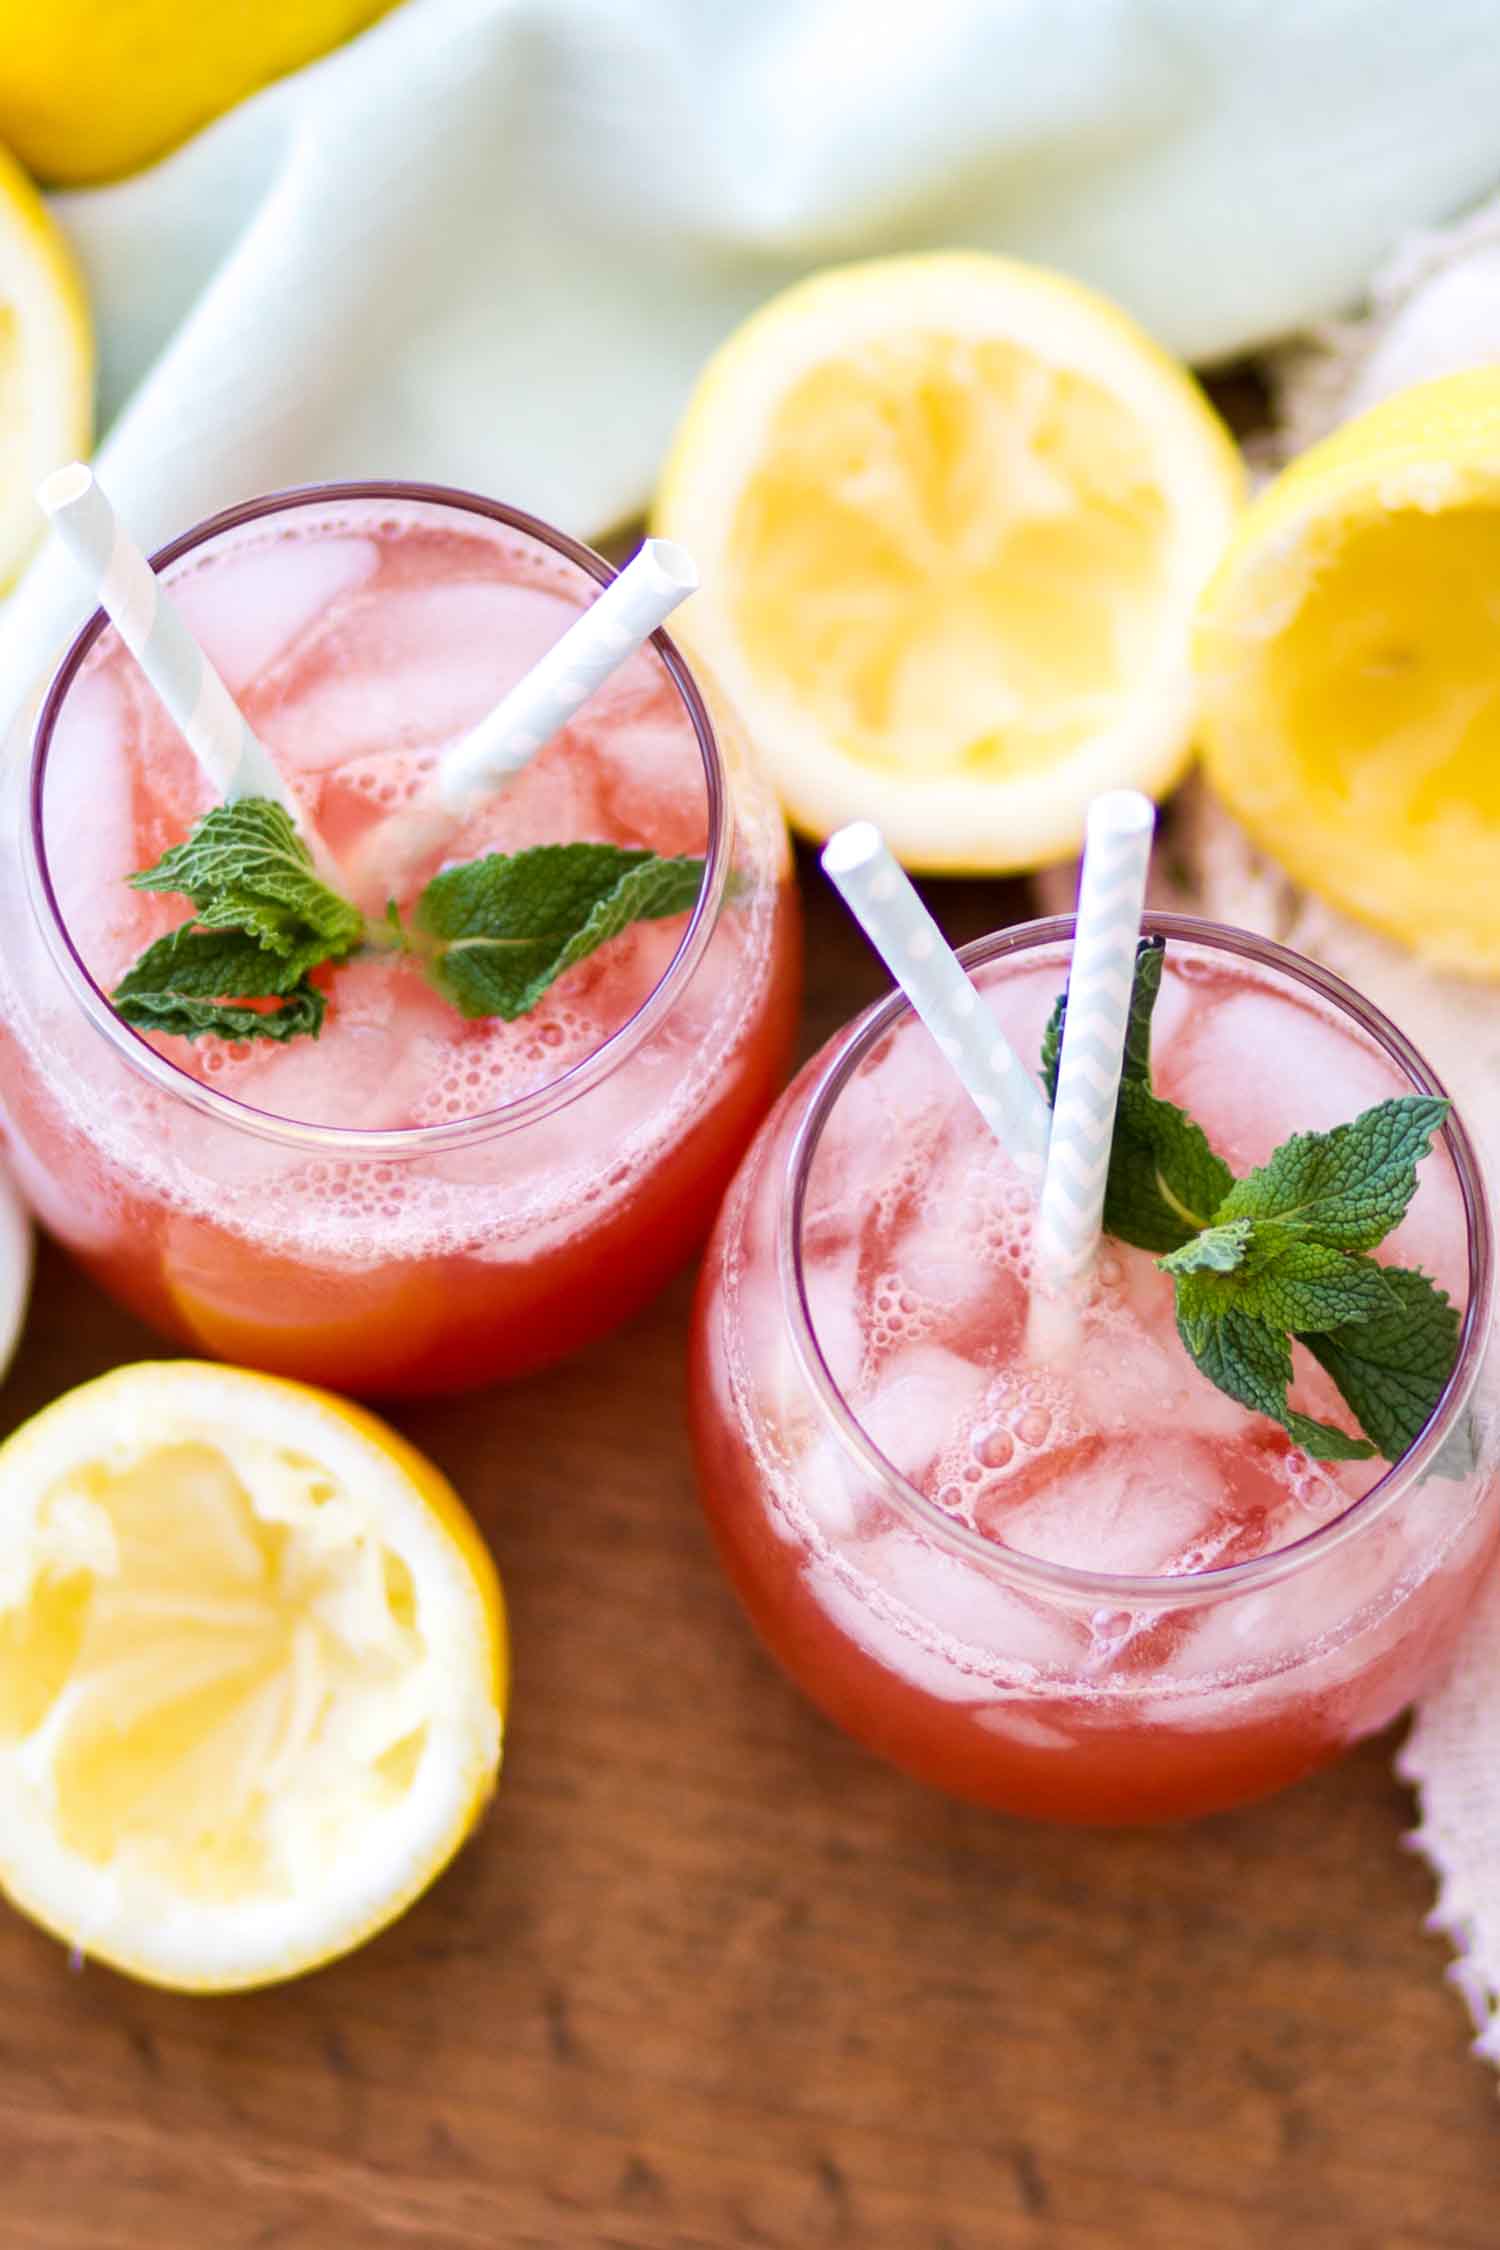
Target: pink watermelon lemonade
x=1091 y=1587
x=411 y=1201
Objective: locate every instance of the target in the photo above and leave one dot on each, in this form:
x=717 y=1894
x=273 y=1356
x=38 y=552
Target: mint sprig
x=491 y=935
x=1281 y=1257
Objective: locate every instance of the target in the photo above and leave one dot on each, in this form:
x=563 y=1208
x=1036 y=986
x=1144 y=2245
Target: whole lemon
x=90 y=89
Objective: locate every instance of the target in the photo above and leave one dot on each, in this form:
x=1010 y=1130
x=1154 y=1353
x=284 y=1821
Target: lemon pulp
x=252 y=1673
x=951 y=554
x=1345 y=650
x=205 y=1679
x=1386 y=681
x=952 y=515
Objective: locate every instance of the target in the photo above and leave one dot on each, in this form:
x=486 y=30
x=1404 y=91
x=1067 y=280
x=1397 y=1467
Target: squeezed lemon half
x=253 y=1668
x=46 y=362
x=1349 y=656
x=952 y=514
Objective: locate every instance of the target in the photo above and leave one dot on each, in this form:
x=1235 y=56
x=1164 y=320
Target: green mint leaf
x=1347 y=1188
x=1215 y=1250
x=245 y=868
x=507 y=926
x=1280 y=1276
x=1150 y=956
x=1150 y=960
x=1324 y=1440
x=1165 y=1182
x=1251 y=1360
x=192 y=981
x=1392 y=1366
x=1301 y=1285
x=1243 y=1356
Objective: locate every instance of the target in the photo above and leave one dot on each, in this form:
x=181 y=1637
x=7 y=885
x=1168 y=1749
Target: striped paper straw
x=625 y=615
x=882 y=900
x=128 y=590
x=1111 y=892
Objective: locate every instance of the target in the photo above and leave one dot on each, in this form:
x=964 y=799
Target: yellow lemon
x=1348 y=651
x=952 y=515
x=46 y=361
x=253 y=1668
x=94 y=88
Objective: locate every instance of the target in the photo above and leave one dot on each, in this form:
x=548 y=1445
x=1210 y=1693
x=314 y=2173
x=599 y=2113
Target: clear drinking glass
x=1256 y=1613
x=357 y=1247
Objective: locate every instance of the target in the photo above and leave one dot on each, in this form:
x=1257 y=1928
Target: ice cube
x=1128 y=1377
x=834 y=1304
x=1323 y=1611
x=969 y=1605
x=894 y=1637
x=1253 y=1068
x=925 y=1402
x=90 y=825
x=1135 y=1507
x=830 y=1486
x=434 y=659
x=246 y=610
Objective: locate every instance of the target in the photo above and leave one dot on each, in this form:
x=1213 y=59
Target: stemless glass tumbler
x=1105 y=1592
x=356 y=1239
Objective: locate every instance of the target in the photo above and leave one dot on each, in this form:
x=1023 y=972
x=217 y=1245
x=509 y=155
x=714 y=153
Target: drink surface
x=358 y=650
x=921 y=1625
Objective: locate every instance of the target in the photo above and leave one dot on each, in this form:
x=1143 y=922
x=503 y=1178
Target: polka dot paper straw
x=626 y=614
x=881 y=897
x=1111 y=892
x=133 y=598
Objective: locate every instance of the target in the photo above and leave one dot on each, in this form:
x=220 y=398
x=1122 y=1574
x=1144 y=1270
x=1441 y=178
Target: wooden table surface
x=709 y=1978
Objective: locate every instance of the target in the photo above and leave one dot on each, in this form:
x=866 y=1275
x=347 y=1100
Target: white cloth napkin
x=1435 y=307
x=492 y=241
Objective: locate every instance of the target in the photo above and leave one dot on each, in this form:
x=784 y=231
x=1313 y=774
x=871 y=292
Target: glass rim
x=1030 y=1573
x=383 y=1141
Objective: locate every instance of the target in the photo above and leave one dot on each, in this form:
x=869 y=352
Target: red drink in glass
x=411 y=1202
x=1091 y=1588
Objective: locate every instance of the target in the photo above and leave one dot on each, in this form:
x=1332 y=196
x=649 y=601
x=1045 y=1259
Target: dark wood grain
x=710 y=1979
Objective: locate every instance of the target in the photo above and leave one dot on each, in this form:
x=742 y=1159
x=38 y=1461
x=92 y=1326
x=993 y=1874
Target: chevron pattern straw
x=1111 y=892
x=128 y=590
x=882 y=900
x=626 y=614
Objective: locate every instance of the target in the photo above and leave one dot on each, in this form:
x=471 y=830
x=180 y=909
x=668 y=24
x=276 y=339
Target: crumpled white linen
x=492 y=241
x=1435 y=308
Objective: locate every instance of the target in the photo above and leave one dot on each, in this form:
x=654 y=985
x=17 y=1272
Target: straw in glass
x=128 y=590
x=884 y=903
x=624 y=616
x=1111 y=893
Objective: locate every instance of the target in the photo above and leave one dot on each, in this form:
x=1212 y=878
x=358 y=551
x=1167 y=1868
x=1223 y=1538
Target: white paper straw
x=625 y=615
x=128 y=590
x=881 y=897
x=1111 y=893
